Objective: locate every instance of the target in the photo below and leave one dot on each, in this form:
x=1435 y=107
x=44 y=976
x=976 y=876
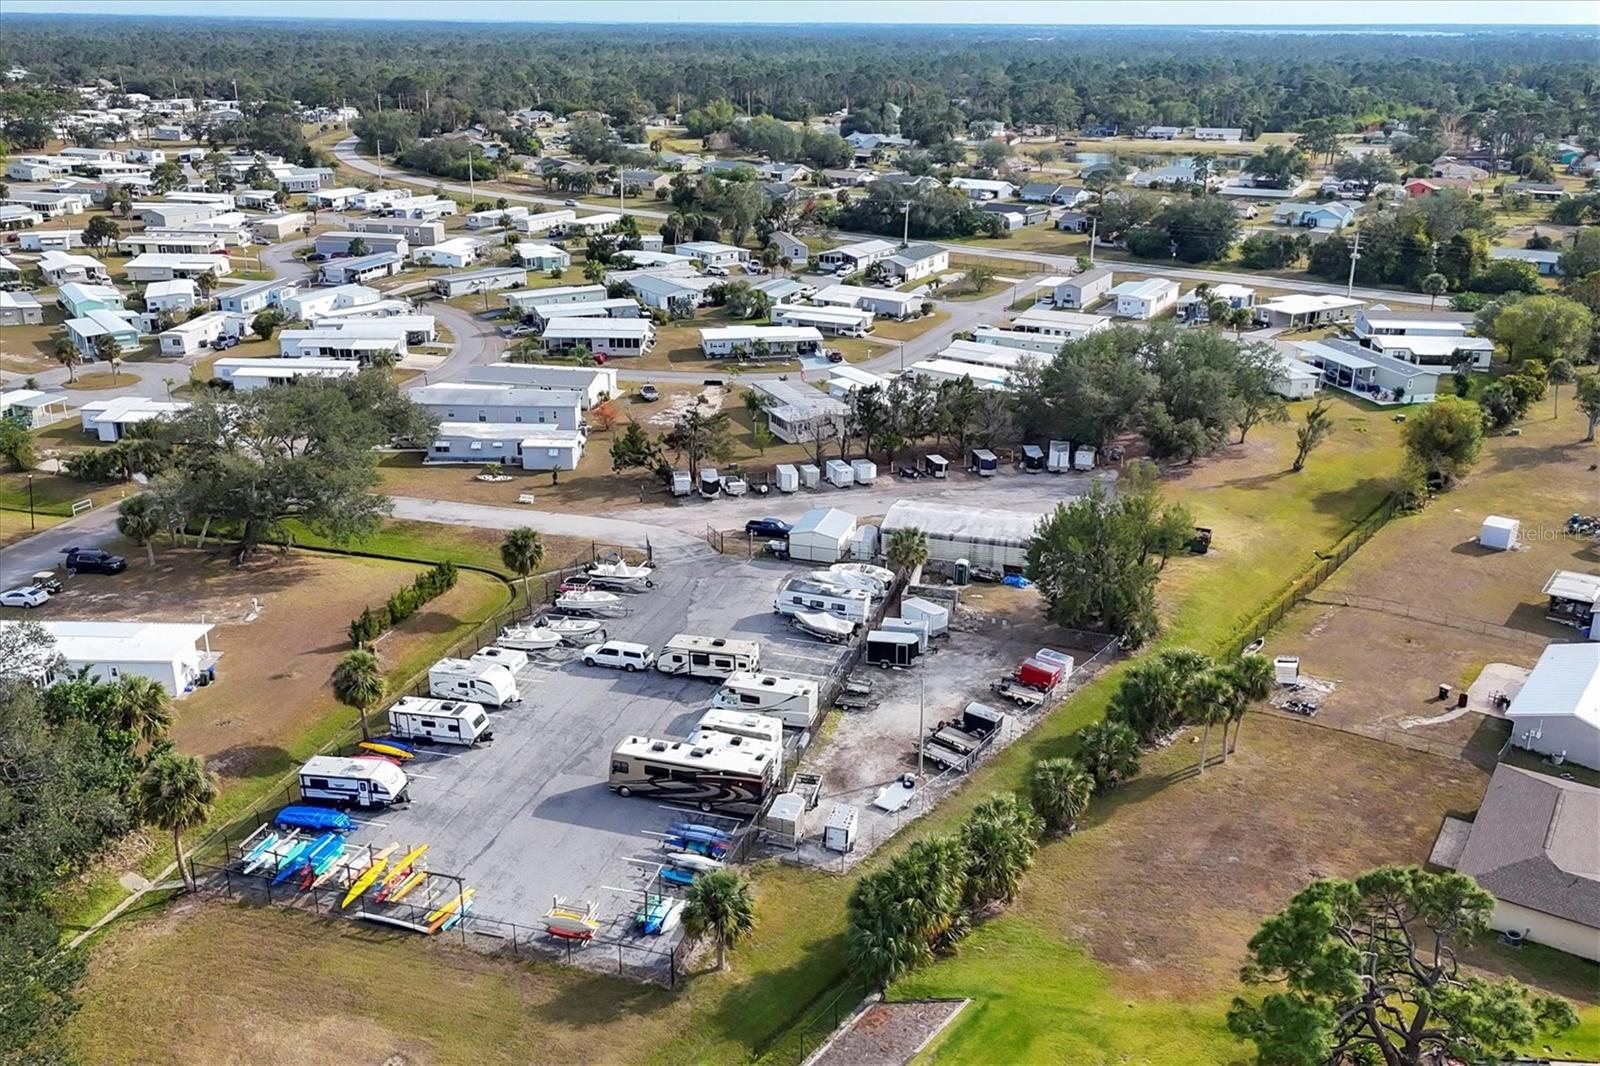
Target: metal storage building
x=822 y=535
x=984 y=536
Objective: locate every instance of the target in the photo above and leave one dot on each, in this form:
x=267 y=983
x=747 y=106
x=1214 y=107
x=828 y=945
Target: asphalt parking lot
x=529 y=816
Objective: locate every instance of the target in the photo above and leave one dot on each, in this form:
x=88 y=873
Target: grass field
x=1122 y=945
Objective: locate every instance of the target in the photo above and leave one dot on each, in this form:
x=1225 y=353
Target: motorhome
x=734 y=780
x=791 y=700
x=360 y=782
x=444 y=721
x=852 y=605
x=478 y=682
x=738 y=729
x=714 y=658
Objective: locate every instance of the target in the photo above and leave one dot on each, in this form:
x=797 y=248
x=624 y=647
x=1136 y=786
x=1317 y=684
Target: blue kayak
x=301 y=816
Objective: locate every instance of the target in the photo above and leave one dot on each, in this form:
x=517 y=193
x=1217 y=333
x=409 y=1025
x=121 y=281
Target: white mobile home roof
x=1565 y=683
x=986 y=377
x=127 y=642
x=771 y=334
x=1042 y=319
x=578 y=329
x=973 y=525
x=985 y=355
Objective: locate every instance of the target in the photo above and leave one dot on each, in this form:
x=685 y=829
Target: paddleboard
x=437 y=916
x=261 y=845
x=369 y=875
x=274 y=853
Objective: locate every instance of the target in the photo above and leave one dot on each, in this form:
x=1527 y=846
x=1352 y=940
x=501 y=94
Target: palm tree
x=106 y=349
x=1435 y=285
x=879 y=943
x=384 y=359
x=522 y=551
x=176 y=793
x=1148 y=699
x=1252 y=679
x=1110 y=752
x=1205 y=703
x=722 y=904
x=66 y=353
x=1060 y=790
x=358 y=682
x=1238 y=318
x=1000 y=838
x=907 y=550
x=139 y=521
x=145 y=707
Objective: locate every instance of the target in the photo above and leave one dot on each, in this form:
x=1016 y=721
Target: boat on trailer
x=588 y=601
x=823 y=626
x=528 y=638
x=575 y=630
x=621 y=575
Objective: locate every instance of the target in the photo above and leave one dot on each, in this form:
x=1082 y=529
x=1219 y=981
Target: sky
x=1349 y=14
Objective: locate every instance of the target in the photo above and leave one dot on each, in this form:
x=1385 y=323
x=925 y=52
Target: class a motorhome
x=714 y=778
x=714 y=658
x=852 y=605
x=791 y=700
x=475 y=681
x=443 y=721
x=352 y=782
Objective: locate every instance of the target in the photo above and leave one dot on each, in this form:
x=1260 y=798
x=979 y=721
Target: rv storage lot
x=529 y=816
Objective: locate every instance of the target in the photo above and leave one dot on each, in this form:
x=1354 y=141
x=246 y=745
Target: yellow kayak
x=437 y=917
x=398 y=871
x=369 y=875
x=378 y=747
x=407 y=885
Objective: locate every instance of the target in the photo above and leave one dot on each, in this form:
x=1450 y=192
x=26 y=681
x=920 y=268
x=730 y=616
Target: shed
x=985 y=536
x=822 y=535
x=1572 y=598
x=935 y=615
x=1500 y=533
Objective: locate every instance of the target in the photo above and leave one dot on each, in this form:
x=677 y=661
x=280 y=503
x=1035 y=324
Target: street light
x=30 y=503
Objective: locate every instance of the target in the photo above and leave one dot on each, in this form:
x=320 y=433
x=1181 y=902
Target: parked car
x=317 y=257
x=835 y=355
x=649 y=393
x=766 y=527
x=93 y=561
x=28 y=596
x=619 y=655
x=569 y=203
x=778 y=549
x=716 y=272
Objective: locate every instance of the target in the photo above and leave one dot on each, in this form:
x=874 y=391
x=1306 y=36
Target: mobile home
x=789 y=699
x=343 y=781
x=444 y=721
x=712 y=778
x=714 y=658
x=460 y=679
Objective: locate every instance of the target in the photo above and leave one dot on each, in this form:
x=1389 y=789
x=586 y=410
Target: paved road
x=345 y=150
x=42 y=551
x=556 y=523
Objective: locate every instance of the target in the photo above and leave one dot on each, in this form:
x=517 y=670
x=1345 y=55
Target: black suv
x=93 y=561
x=766 y=527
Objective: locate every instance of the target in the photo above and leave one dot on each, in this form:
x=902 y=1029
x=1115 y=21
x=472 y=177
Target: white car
x=619 y=655
x=27 y=596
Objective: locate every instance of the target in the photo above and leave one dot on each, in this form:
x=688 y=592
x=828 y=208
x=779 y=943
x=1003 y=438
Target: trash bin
x=963 y=571
x=1461 y=699
x=1444 y=692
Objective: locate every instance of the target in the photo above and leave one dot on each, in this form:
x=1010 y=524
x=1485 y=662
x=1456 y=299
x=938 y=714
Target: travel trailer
x=735 y=729
x=791 y=700
x=444 y=721
x=714 y=658
x=735 y=780
x=797 y=595
x=359 y=782
x=478 y=682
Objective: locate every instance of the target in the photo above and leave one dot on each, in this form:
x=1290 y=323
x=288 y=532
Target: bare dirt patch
x=889 y=1033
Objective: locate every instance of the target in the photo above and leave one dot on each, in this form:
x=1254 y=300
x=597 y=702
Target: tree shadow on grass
x=250 y=760
x=1352 y=501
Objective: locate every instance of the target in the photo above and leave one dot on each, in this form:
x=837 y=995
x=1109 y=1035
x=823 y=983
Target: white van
x=352 y=782
x=478 y=682
x=445 y=721
x=789 y=699
x=709 y=657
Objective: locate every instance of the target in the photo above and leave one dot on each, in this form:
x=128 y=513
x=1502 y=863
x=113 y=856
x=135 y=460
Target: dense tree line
x=1517 y=84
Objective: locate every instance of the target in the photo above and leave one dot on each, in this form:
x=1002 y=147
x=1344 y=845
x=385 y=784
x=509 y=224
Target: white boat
x=588 y=600
x=528 y=638
x=824 y=626
x=837 y=579
x=621 y=575
x=688 y=860
x=862 y=573
x=573 y=629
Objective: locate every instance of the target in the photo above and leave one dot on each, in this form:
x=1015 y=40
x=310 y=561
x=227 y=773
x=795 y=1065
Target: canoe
x=369 y=875
x=405 y=888
x=389 y=748
x=302 y=816
x=461 y=911
x=324 y=868
x=658 y=915
x=390 y=759
x=693 y=830
x=688 y=860
x=677 y=877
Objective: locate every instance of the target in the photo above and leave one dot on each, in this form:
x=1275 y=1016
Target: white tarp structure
x=984 y=536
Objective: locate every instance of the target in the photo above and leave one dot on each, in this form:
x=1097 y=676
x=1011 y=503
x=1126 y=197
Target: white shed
x=1500 y=533
x=822 y=535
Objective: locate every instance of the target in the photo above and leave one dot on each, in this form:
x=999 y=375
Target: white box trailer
x=839 y=833
x=444 y=721
x=791 y=700
x=682 y=483
x=477 y=682
x=715 y=658
x=839 y=473
x=1083 y=458
x=937 y=616
x=1059 y=460
x=865 y=471
x=344 y=782
x=788 y=478
x=915 y=626
x=810 y=476
x=852 y=605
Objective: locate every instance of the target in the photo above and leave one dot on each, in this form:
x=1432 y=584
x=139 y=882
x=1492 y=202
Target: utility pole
x=472 y=190
x=905 y=233
x=922 y=706
x=1094 y=229
x=379 y=145
x=1355 y=254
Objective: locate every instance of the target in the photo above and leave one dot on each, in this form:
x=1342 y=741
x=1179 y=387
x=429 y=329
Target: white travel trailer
x=852 y=605
x=714 y=658
x=444 y=721
x=478 y=682
x=791 y=700
x=359 y=782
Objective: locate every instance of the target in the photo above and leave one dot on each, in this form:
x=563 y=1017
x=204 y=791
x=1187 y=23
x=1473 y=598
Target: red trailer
x=1041 y=674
